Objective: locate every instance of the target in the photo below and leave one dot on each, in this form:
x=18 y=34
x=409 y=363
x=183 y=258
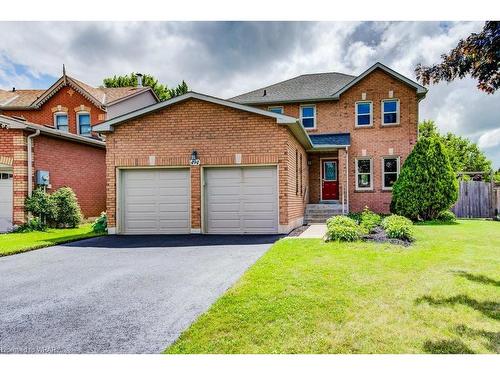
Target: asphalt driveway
x=116 y=294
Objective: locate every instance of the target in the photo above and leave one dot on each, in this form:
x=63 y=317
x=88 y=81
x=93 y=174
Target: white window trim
x=314 y=115
x=383 y=171
x=382 y=112
x=356 y=113
x=78 y=123
x=357 y=174
x=275 y=107
x=59 y=114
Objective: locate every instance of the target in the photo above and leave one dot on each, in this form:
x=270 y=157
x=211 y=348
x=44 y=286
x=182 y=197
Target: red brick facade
x=373 y=142
x=71 y=164
x=77 y=165
x=218 y=133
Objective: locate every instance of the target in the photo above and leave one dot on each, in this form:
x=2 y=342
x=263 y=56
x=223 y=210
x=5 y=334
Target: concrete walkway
x=314 y=231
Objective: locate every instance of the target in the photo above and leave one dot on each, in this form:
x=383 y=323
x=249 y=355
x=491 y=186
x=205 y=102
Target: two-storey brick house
x=51 y=130
x=257 y=163
x=362 y=127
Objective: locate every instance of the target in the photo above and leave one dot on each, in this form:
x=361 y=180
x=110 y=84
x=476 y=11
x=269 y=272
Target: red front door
x=329 y=181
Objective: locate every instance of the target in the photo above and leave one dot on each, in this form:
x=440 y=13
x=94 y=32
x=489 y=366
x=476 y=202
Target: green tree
x=465 y=156
x=477 y=56
x=427 y=184
x=161 y=90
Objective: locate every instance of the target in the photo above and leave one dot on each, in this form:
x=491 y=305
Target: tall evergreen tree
x=427 y=184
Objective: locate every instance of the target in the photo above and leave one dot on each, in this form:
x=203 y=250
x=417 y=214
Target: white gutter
x=30 y=160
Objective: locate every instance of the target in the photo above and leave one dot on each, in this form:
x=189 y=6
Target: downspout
x=30 y=160
x=347 y=175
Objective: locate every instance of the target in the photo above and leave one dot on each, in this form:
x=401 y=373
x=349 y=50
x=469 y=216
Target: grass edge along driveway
x=14 y=243
x=439 y=295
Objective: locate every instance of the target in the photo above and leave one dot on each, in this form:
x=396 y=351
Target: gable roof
x=9 y=122
x=101 y=97
x=293 y=123
x=316 y=87
x=306 y=87
x=421 y=90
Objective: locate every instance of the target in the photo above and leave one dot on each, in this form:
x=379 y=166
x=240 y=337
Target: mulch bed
x=379 y=235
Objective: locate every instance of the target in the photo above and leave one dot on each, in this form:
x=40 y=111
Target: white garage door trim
x=205 y=201
x=6 y=199
x=121 y=202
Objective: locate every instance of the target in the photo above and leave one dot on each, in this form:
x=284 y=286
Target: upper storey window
x=364 y=113
x=278 y=110
x=61 y=121
x=308 y=116
x=390 y=112
x=83 y=122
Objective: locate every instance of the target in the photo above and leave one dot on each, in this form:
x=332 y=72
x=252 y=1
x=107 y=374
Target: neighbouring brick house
x=57 y=123
x=262 y=162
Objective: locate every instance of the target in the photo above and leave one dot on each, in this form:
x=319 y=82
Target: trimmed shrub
x=427 y=184
x=67 y=213
x=342 y=228
x=101 y=223
x=447 y=217
x=370 y=220
x=33 y=224
x=41 y=205
x=356 y=216
x=400 y=227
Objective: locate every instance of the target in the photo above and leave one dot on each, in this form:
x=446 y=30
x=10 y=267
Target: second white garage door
x=155 y=201
x=241 y=200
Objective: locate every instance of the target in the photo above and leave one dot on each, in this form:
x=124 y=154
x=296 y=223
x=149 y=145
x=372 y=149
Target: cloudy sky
x=228 y=58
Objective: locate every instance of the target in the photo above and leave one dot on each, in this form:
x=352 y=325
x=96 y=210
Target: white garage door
x=241 y=200
x=6 y=207
x=155 y=201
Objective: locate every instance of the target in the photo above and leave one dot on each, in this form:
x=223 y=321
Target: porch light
x=309 y=162
x=194 y=156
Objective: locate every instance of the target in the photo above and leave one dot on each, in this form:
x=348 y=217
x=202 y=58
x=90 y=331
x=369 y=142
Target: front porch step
x=319 y=213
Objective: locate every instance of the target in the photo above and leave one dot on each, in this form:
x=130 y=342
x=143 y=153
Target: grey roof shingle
x=331 y=139
x=302 y=88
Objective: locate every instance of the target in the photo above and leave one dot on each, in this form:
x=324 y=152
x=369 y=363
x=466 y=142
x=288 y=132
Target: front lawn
x=440 y=295
x=12 y=243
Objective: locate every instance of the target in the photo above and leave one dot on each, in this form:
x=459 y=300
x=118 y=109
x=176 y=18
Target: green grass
x=13 y=243
x=440 y=295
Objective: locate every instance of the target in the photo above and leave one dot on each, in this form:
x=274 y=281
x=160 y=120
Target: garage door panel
x=141 y=208
x=224 y=207
x=6 y=200
x=241 y=200
x=267 y=207
x=156 y=201
x=173 y=207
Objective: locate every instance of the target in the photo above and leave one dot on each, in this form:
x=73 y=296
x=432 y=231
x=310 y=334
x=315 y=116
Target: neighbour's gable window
x=83 y=120
x=390 y=172
x=278 y=110
x=390 y=112
x=308 y=116
x=364 y=174
x=364 y=113
x=61 y=121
